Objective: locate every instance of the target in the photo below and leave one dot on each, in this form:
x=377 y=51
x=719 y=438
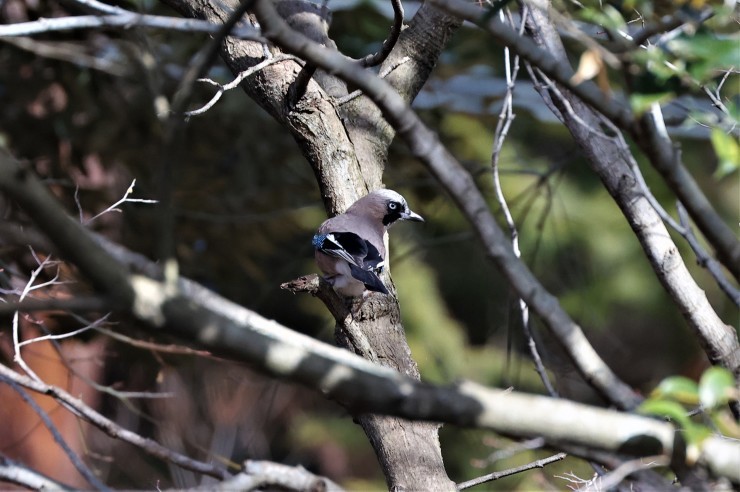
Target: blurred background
x=84 y=109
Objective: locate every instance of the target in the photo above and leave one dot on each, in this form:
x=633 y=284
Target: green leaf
x=706 y=53
x=715 y=387
x=604 y=15
x=694 y=434
x=641 y=103
x=678 y=388
x=667 y=409
x=728 y=153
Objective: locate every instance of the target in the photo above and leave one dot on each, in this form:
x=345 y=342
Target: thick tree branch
x=666 y=159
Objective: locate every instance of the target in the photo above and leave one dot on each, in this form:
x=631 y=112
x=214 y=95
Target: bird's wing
x=369 y=278
x=346 y=245
x=364 y=259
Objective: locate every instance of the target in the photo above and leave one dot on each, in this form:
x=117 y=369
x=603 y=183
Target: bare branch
x=610 y=159
x=75 y=304
x=260 y=475
x=617 y=476
x=505 y=119
x=385 y=50
x=58 y=438
x=383 y=73
x=14 y=472
x=238 y=80
x=78 y=407
x=154 y=347
x=69 y=52
x=511 y=471
x=124 y=20
x=703 y=258
x=124 y=199
x=62 y=336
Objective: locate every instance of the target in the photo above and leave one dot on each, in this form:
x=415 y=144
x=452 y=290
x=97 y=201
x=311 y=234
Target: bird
x=350 y=248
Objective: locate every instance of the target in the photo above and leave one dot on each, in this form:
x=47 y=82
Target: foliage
x=672 y=398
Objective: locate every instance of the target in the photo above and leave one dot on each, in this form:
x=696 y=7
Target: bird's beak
x=412 y=216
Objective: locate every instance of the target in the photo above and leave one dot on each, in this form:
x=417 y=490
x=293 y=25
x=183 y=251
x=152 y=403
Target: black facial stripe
x=391 y=217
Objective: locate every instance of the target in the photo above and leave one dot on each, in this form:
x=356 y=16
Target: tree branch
x=511 y=471
x=78 y=407
x=374 y=59
x=77 y=462
x=123 y=20
x=13 y=472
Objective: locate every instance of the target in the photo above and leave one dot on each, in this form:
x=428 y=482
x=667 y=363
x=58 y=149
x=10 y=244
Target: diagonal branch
x=77 y=462
x=17 y=473
x=124 y=20
x=374 y=59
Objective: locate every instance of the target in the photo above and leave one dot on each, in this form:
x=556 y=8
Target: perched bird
x=350 y=248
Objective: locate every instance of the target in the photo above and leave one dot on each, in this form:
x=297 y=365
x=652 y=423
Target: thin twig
x=126 y=21
x=173 y=130
x=383 y=73
x=509 y=451
x=235 y=83
x=506 y=118
x=155 y=347
x=18 y=357
x=70 y=52
x=615 y=477
x=79 y=304
x=100 y=7
x=379 y=57
x=73 y=457
x=703 y=258
x=511 y=471
x=78 y=407
x=62 y=336
x=124 y=199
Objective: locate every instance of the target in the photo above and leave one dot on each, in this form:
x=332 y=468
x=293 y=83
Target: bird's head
x=386 y=206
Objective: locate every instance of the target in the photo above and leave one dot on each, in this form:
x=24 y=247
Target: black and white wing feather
x=363 y=258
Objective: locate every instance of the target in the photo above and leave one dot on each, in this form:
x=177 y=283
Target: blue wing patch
x=364 y=259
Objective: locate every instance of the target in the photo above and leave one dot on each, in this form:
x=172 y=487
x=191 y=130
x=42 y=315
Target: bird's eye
x=392 y=206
